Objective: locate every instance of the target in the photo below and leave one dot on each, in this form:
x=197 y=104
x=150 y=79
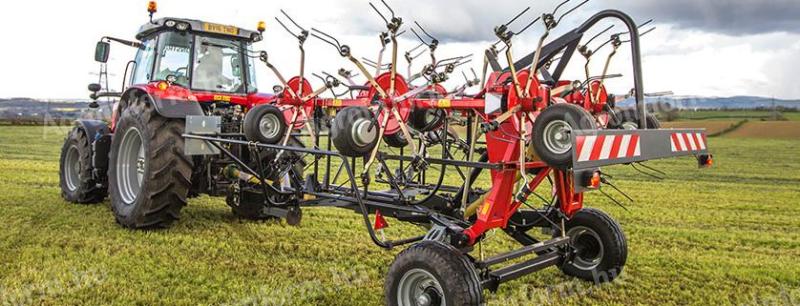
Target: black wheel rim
x=589 y=249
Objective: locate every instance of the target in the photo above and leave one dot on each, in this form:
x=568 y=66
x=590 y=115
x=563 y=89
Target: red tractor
x=182 y=68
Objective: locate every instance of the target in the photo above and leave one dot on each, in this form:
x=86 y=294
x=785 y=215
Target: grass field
x=720 y=236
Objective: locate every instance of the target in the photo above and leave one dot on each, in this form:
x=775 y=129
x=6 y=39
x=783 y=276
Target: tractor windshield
x=173 y=54
x=218 y=65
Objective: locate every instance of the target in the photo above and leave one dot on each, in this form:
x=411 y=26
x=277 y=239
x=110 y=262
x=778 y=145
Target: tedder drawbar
x=190 y=120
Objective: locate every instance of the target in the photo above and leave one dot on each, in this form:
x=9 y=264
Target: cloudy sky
x=710 y=47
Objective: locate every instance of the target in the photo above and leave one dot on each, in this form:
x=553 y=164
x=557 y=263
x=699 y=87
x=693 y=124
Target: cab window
x=145 y=56
x=218 y=65
x=174 y=52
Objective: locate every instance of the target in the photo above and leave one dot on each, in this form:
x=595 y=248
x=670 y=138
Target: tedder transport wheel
x=628 y=119
x=149 y=175
x=396 y=140
x=432 y=273
x=552 y=129
x=75 y=170
x=351 y=133
x=265 y=123
x=599 y=244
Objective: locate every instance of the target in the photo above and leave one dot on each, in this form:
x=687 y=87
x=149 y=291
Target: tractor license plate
x=221 y=29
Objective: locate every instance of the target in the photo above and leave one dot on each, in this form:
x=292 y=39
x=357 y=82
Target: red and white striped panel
x=686 y=142
x=602 y=147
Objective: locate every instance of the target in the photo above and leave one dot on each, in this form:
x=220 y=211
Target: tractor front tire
x=432 y=273
x=149 y=176
x=600 y=246
x=75 y=170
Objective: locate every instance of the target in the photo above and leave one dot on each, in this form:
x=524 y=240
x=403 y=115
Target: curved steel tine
x=325 y=40
x=388 y=7
x=379 y=13
x=559 y=7
x=285 y=28
x=529 y=25
x=570 y=11
x=292 y=20
x=638 y=27
x=336 y=44
x=645 y=23
x=603 y=45
x=516 y=17
x=463 y=63
x=319 y=77
x=419 y=37
x=415 y=48
x=641 y=34
x=426 y=32
x=598 y=35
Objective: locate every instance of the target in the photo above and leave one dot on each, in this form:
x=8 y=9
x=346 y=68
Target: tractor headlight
x=183 y=26
x=170 y=23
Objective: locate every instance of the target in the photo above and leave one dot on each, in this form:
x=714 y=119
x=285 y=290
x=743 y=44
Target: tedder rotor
x=190 y=120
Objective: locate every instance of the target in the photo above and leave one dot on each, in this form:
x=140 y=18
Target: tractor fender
x=99 y=136
x=176 y=104
x=94 y=129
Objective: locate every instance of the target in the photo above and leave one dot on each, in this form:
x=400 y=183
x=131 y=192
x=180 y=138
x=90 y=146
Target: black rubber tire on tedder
x=265 y=124
x=551 y=133
x=351 y=134
x=162 y=172
x=629 y=119
x=75 y=170
x=600 y=245
x=396 y=140
x=436 y=270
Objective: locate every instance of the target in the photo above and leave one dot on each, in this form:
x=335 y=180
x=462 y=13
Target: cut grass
x=727 y=235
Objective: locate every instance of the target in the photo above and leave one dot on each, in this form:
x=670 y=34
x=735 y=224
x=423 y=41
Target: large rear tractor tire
x=600 y=246
x=432 y=273
x=552 y=132
x=149 y=176
x=75 y=170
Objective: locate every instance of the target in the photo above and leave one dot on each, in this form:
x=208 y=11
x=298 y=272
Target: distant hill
x=738 y=102
x=26 y=110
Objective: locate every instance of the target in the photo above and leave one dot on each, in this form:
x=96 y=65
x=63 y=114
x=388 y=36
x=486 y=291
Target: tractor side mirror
x=101 y=51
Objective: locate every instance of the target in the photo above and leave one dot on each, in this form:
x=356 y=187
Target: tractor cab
x=196 y=55
x=186 y=59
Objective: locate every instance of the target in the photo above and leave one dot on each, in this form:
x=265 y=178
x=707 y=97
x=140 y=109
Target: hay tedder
x=189 y=120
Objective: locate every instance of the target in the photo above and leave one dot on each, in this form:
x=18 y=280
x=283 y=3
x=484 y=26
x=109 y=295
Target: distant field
x=720 y=236
x=711 y=126
x=768 y=129
x=733 y=115
x=749 y=129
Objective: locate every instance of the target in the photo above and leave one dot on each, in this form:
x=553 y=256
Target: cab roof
x=197 y=26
